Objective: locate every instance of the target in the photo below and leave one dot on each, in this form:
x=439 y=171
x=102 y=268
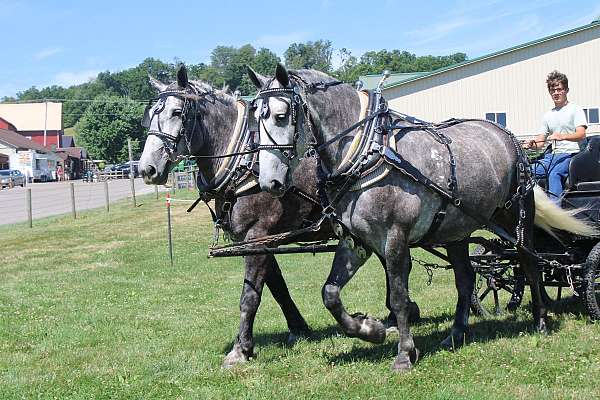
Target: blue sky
x=66 y=42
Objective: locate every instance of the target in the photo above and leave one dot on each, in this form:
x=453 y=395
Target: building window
x=591 y=115
x=499 y=118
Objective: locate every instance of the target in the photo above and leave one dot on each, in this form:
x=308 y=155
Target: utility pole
x=45 y=120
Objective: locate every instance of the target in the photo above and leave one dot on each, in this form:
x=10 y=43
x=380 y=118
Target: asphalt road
x=54 y=198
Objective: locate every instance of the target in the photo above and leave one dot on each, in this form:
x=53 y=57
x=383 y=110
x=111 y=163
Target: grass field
x=91 y=309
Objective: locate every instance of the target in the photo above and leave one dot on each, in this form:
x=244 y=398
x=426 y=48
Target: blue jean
x=557 y=166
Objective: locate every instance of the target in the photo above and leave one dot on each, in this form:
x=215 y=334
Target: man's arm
x=535 y=143
x=576 y=136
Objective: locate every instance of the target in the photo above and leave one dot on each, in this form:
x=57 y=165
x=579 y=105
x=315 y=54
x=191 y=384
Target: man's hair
x=557 y=77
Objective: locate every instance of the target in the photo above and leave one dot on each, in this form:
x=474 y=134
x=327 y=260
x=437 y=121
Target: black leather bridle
x=293 y=93
x=189 y=113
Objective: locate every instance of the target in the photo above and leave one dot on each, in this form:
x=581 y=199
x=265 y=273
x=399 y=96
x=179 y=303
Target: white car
x=11 y=178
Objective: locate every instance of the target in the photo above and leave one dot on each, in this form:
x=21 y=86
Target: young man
x=564 y=126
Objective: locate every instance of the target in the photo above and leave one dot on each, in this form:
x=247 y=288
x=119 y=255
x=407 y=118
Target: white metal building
x=508 y=86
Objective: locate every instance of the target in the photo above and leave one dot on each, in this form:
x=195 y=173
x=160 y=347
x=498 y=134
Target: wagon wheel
x=496 y=285
x=590 y=285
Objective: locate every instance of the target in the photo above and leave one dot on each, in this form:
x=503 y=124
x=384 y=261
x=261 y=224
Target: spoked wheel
x=499 y=286
x=590 y=285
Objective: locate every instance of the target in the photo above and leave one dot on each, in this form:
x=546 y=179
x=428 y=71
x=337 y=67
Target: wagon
x=567 y=262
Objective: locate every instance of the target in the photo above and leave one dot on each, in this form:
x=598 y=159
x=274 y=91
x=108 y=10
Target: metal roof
x=370 y=81
x=593 y=24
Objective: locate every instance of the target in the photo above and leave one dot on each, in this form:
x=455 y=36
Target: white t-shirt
x=564 y=120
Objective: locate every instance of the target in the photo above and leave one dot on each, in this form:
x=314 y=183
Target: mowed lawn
x=91 y=309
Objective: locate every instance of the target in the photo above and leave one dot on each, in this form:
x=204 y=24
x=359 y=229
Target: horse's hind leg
x=276 y=284
x=257 y=269
x=530 y=267
x=345 y=264
x=464 y=280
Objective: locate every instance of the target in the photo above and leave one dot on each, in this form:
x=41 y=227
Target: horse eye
x=176 y=113
x=281 y=117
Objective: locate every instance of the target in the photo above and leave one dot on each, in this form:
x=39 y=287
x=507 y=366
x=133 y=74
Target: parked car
x=11 y=178
x=126 y=168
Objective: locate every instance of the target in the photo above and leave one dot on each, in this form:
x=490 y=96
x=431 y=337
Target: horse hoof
x=372 y=330
x=405 y=362
x=542 y=328
x=234 y=357
x=294 y=337
x=414 y=313
x=452 y=342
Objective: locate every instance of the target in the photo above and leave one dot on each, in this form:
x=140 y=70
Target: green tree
x=314 y=55
x=107 y=124
x=265 y=61
x=133 y=82
x=374 y=62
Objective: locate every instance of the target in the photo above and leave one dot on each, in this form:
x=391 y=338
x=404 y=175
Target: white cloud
x=47 y=53
x=437 y=31
x=68 y=78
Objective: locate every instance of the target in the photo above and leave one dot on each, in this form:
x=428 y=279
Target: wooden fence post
x=106 y=199
x=29 y=211
x=131 y=172
x=72 y=185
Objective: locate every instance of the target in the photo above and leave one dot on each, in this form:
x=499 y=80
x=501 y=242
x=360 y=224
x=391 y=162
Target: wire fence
x=48 y=199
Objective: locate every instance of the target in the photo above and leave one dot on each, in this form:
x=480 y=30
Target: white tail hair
x=549 y=216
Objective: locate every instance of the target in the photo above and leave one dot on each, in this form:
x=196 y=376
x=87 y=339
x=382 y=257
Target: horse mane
x=311 y=75
x=201 y=88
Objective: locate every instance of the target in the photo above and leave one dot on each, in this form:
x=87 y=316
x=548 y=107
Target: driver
x=564 y=127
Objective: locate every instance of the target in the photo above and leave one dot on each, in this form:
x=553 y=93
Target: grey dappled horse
x=207 y=131
x=396 y=212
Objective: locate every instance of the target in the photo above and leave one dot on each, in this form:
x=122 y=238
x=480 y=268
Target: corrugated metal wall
x=513 y=83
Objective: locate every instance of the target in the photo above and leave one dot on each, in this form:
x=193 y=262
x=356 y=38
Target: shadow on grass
x=280 y=339
x=429 y=344
x=481 y=331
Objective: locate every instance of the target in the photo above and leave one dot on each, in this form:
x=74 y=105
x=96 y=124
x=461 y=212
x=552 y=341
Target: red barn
x=4 y=124
x=40 y=122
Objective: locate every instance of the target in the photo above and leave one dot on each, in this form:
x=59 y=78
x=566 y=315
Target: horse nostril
x=149 y=171
x=276 y=185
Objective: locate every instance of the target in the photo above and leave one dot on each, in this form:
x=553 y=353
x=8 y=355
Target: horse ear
x=256 y=78
x=182 y=77
x=282 y=75
x=156 y=84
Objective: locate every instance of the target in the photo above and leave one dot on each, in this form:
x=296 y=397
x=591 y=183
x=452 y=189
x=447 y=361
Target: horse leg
x=414 y=313
x=464 y=280
x=398 y=267
x=345 y=264
x=257 y=269
x=530 y=268
x=295 y=322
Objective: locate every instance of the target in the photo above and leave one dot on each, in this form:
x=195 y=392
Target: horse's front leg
x=345 y=264
x=414 y=313
x=464 y=280
x=257 y=269
x=295 y=322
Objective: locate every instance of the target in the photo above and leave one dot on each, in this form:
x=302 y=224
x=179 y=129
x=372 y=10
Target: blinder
x=171 y=141
x=287 y=150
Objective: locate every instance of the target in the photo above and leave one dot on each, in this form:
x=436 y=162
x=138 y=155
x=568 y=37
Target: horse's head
x=171 y=121
x=279 y=114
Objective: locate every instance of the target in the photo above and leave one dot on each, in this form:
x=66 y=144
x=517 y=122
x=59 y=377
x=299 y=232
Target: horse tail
x=549 y=216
